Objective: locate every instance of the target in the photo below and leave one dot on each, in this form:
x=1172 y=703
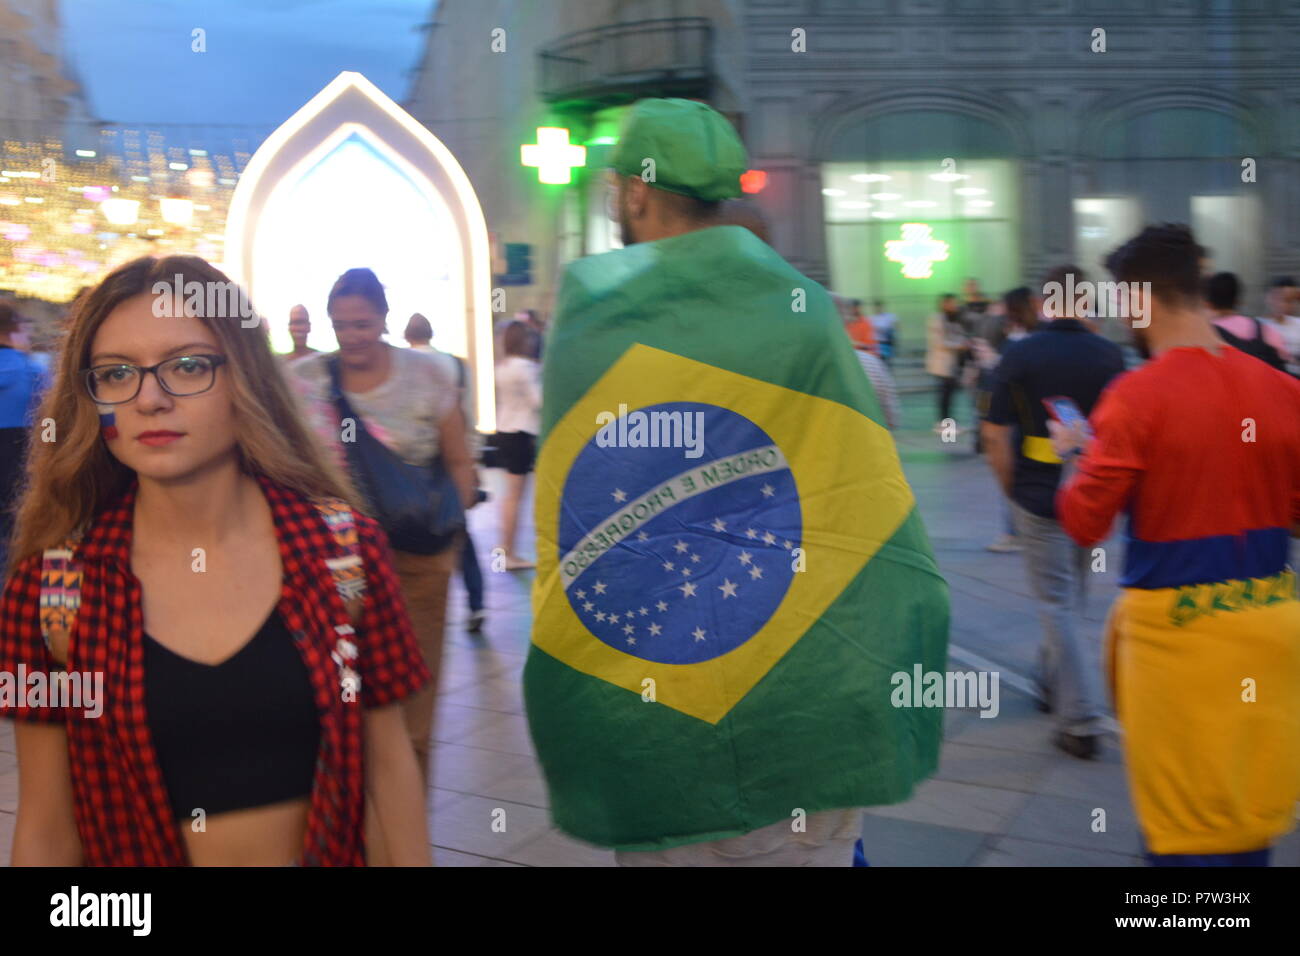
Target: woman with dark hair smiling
x=404 y=400
x=187 y=542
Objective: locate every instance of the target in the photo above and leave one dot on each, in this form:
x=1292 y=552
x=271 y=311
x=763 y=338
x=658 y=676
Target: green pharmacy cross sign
x=917 y=251
x=553 y=155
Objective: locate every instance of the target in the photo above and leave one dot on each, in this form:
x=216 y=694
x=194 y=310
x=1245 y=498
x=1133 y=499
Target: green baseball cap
x=696 y=151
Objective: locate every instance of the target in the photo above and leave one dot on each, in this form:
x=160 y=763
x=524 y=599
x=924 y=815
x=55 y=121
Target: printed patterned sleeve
x=390 y=661
x=25 y=663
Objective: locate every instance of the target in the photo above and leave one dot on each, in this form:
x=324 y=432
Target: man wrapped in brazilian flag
x=730 y=562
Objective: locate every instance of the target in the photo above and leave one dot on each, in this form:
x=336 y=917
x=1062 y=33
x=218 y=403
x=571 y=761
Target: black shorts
x=515 y=451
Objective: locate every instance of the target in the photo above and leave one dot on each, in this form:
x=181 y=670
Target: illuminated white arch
x=352 y=106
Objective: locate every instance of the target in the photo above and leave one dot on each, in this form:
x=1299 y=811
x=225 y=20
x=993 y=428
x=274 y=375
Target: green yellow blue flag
x=730 y=565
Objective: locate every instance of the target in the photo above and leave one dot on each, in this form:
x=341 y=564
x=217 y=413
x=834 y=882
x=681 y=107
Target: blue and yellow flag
x=730 y=563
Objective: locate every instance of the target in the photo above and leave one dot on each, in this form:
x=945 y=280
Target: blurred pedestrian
x=1016 y=318
x=1222 y=291
x=974 y=306
x=946 y=344
x=419 y=336
x=1284 y=312
x=299 y=330
x=885 y=325
x=1201 y=448
x=883 y=384
x=1061 y=360
x=519 y=407
x=182 y=449
x=22 y=382
x=394 y=417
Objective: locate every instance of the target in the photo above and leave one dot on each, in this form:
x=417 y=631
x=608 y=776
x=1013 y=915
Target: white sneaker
x=1007 y=544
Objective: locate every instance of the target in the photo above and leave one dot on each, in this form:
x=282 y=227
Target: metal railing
x=623 y=60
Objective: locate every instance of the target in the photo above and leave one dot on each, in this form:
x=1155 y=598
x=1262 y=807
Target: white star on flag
x=587 y=606
x=631 y=640
x=699 y=633
x=619 y=495
x=613 y=619
x=668 y=565
x=582 y=595
x=600 y=615
x=629 y=614
x=686 y=572
x=688 y=589
x=745 y=557
x=644 y=612
x=768 y=537
x=654 y=630
x=662 y=606
x=768 y=491
x=628 y=628
x=727 y=588
x=751 y=533
x=788 y=544
x=756 y=572
x=642 y=536
x=695 y=559
x=719 y=524
x=681 y=546
x=599 y=587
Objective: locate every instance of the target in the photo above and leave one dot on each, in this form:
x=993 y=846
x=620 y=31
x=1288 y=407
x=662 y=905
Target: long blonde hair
x=70 y=480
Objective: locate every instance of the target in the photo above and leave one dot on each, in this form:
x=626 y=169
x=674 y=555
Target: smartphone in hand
x=1065 y=411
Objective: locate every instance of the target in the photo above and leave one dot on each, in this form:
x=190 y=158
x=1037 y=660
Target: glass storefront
x=915 y=203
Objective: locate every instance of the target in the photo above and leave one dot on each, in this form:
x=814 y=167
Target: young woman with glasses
x=249 y=672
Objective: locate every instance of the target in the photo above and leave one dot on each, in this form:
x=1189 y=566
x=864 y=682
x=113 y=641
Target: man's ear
x=638 y=195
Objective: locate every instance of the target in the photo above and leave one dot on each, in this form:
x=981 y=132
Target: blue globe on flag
x=678 y=529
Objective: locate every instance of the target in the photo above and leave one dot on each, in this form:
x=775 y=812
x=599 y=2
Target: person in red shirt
x=212 y=643
x=1201 y=448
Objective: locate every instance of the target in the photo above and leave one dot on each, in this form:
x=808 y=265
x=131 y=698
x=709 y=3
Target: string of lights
x=69 y=216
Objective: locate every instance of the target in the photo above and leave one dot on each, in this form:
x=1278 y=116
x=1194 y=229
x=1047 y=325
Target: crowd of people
x=323 y=496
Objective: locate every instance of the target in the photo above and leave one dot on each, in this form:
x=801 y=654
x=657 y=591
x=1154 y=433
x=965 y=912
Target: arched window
x=1175 y=163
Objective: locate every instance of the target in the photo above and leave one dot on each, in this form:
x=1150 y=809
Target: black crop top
x=239 y=734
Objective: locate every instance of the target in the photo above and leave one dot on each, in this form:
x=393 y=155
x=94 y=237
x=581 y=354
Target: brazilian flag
x=730 y=564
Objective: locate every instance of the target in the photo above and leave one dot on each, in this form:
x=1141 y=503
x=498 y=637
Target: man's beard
x=625 y=234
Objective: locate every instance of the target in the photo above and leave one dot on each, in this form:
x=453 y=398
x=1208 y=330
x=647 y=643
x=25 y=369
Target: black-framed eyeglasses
x=181 y=376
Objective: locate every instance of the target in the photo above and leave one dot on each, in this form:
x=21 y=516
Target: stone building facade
x=1018 y=133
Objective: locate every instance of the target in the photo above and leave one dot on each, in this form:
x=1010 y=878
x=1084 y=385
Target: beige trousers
x=424 y=579
x=827 y=840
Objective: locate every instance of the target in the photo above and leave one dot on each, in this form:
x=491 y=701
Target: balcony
x=617 y=64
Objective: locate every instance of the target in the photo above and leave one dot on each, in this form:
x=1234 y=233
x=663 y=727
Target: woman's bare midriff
x=259 y=836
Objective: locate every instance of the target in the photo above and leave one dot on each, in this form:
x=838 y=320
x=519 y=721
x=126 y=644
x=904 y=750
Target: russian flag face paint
x=107 y=421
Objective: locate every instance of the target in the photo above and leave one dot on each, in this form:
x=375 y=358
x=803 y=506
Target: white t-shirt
x=1289 y=326
x=404 y=411
x=519 y=395
x=883 y=322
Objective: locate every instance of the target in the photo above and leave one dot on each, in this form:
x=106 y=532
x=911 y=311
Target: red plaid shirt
x=122 y=810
